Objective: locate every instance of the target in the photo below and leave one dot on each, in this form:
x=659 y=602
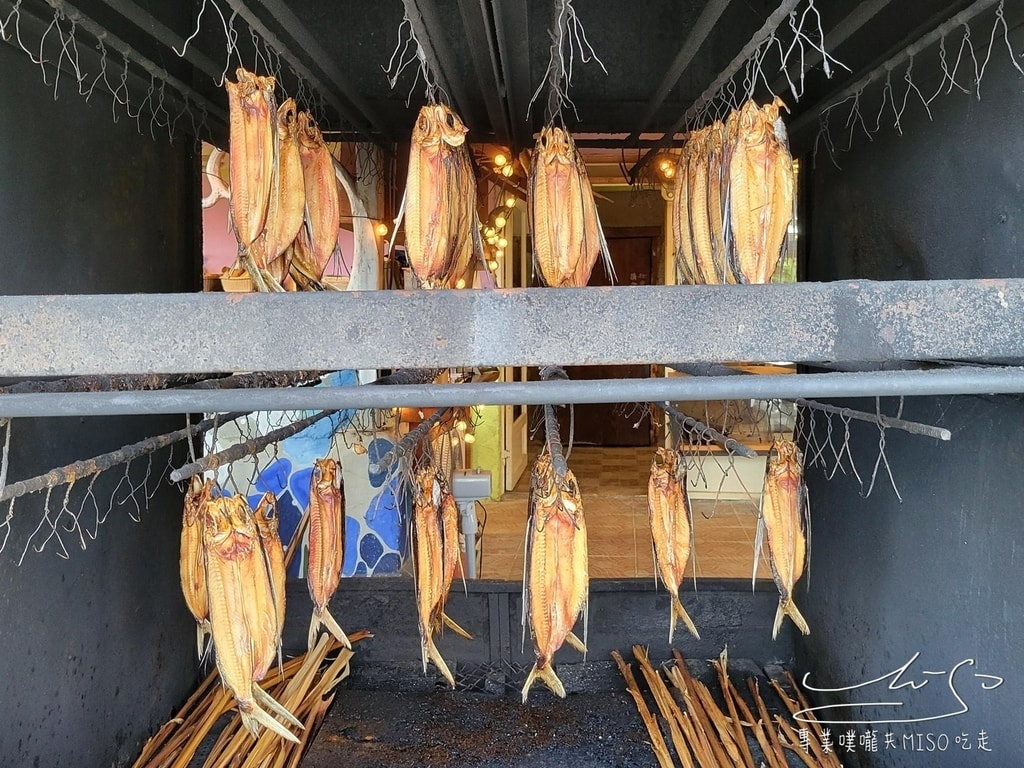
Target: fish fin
x=575 y=642
x=435 y=656
x=758 y=542
x=455 y=627
x=334 y=628
x=779 y=613
x=791 y=610
x=252 y=716
x=546 y=674
x=314 y=628
x=202 y=629
x=264 y=698
x=680 y=611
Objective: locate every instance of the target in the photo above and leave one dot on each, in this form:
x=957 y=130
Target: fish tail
x=334 y=628
x=679 y=611
x=435 y=656
x=546 y=674
x=455 y=627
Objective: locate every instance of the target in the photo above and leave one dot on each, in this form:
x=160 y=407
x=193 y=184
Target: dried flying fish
x=266 y=518
x=671 y=529
x=567 y=235
x=287 y=192
x=784 y=524
x=435 y=530
x=252 y=114
x=761 y=183
x=686 y=261
x=556 y=584
x=236 y=575
x=323 y=204
x=441 y=227
x=708 y=271
x=326 y=545
x=191 y=558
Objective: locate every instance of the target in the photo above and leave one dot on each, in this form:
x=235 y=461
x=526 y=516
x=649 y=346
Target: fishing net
x=861 y=111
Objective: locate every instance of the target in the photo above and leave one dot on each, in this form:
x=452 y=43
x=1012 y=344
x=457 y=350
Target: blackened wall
x=95 y=650
x=938 y=574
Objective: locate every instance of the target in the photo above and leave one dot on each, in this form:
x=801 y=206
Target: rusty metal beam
x=43 y=336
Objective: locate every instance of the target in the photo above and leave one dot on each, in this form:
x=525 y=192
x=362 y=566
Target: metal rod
x=891 y=63
x=262 y=379
x=703 y=431
x=112 y=41
x=891 y=422
x=247 y=448
x=407 y=443
x=766 y=31
x=75 y=471
x=695 y=38
x=957 y=381
x=552 y=434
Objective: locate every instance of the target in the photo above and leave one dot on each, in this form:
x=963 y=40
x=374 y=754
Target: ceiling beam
x=512 y=29
x=767 y=29
x=428 y=31
x=476 y=19
x=329 y=94
x=293 y=26
x=694 y=40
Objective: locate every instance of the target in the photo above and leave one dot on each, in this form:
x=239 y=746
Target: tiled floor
x=613 y=483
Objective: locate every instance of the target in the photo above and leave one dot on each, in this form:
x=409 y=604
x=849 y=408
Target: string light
x=460 y=283
x=500 y=160
x=382 y=229
x=499 y=253
x=499 y=221
x=506 y=170
x=492 y=265
x=469 y=437
x=510 y=202
x=502 y=243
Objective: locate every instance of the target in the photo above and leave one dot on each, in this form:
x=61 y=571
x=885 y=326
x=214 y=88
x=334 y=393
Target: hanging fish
x=567 y=235
x=671 y=529
x=441 y=225
x=252 y=114
x=266 y=518
x=436 y=541
x=784 y=523
x=326 y=546
x=761 y=188
x=287 y=193
x=557 y=581
x=242 y=615
x=323 y=202
x=192 y=560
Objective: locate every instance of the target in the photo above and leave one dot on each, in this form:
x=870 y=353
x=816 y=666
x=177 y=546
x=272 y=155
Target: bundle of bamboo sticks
x=305 y=686
x=703 y=734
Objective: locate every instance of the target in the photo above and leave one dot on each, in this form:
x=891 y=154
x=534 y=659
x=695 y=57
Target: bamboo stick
x=720 y=722
x=763 y=711
x=697 y=744
x=669 y=709
x=815 y=743
x=756 y=726
x=657 y=740
x=723 y=675
x=793 y=742
x=696 y=706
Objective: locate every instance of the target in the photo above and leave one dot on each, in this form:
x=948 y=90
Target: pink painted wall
x=220 y=246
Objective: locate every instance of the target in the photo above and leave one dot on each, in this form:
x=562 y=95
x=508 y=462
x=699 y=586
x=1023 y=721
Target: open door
x=515 y=273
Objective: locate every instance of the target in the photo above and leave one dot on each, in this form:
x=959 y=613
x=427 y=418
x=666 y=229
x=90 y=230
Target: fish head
x=228 y=529
x=288 y=117
x=755 y=124
x=196 y=496
x=784 y=457
x=325 y=474
x=308 y=131
x=554 y=145
x=266 y=517
x=437 y=124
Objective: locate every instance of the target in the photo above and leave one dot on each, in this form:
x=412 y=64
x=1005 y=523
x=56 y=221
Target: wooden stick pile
x=702 y=733
x=305 y=685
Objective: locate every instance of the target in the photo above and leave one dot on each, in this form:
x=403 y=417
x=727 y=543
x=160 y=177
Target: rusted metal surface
x=806 y=322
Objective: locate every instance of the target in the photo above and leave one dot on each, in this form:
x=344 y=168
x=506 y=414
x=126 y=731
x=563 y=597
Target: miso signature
x=897 y=682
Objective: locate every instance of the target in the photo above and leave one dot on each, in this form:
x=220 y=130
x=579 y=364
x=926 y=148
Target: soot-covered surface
x=469 y=729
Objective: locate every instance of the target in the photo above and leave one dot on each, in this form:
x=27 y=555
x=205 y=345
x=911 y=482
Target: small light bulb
x=499 y=253
x=669 y=172
x=382 y=229
x=492 y=265
x=460 y=283
x=460 y=425
x=489 y=232
x=664 y=165
x=506 y=170
x=510 y=202
x=469 y=437
x=492 y=239
x=499 y=221
x=502 y=243
x=500 y=160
